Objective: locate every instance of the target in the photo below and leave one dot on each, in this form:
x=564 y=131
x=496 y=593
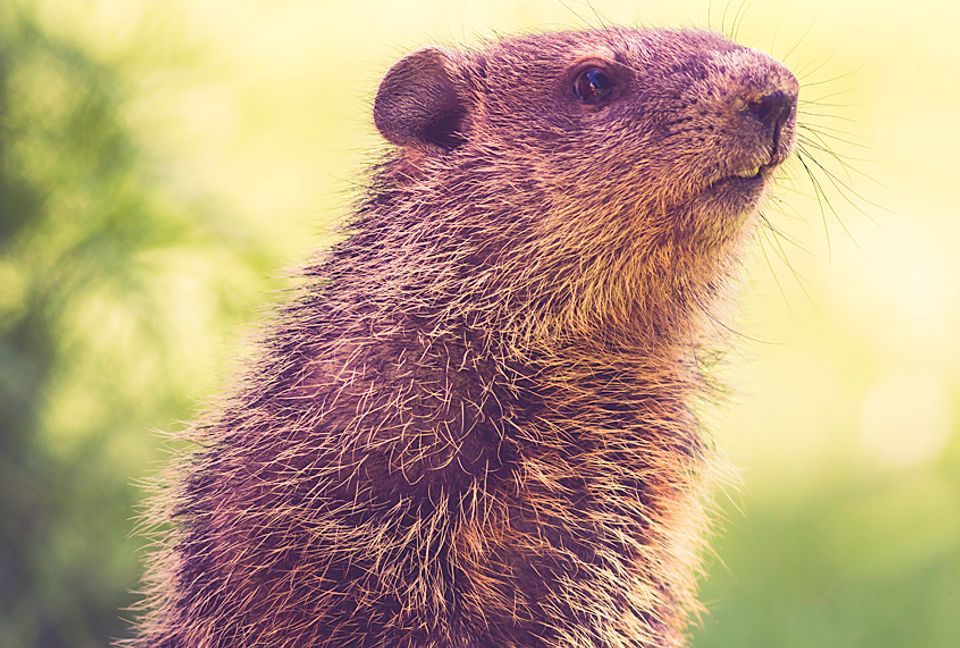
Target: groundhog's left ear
x=421 y=101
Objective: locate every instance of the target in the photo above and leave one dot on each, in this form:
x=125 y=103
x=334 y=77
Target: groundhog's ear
x=420 y=101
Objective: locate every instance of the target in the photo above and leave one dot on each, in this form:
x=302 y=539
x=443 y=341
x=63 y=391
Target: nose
x=772 y=109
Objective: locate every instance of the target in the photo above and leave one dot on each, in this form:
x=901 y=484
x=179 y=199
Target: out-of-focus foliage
x=107 y=283
x=161 y=162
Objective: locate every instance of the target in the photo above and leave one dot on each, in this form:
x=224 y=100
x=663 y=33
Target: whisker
x=783 y=256
x=738 y=19
x=835 y=94
x=773 y=272
x=713 y=318
x=797 y=44
x=840 y=185
x=826 y=131
x=803 y=72
x=808 y=84
x=807 y=113
x=818 y=190
x=776 y=32
x=839 y=157
x=848 y=168
x=821 y=191
x=783 y=235
x=816 y=102
x=723 y=20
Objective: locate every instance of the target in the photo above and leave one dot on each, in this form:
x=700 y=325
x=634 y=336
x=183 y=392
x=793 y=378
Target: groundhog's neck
x=455 y=248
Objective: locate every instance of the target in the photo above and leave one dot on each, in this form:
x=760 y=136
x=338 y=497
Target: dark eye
x=593 y=86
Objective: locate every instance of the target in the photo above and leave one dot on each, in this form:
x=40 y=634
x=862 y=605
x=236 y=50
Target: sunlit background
x=164 y=166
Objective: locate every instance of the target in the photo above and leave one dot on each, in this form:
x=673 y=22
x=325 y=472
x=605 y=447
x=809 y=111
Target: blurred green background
x=163 y=166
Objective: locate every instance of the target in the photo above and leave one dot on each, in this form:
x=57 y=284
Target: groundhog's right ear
x=420 y=101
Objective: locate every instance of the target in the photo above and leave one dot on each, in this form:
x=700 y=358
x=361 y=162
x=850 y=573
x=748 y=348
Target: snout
x=771 y=112
x=762 y=110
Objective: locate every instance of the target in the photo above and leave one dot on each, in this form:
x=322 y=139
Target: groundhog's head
x=650 y=141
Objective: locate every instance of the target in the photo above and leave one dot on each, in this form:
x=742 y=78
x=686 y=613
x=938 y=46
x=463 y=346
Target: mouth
x=748 y=178
x=740 y=190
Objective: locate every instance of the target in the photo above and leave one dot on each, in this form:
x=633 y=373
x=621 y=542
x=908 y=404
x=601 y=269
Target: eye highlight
x=593 y=86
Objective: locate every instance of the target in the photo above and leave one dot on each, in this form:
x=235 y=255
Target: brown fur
x=473 y=427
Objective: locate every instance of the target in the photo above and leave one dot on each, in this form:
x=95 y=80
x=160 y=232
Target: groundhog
x=472 y=425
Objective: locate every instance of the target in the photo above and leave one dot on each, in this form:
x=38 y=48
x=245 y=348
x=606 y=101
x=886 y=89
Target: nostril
x=771 y=109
